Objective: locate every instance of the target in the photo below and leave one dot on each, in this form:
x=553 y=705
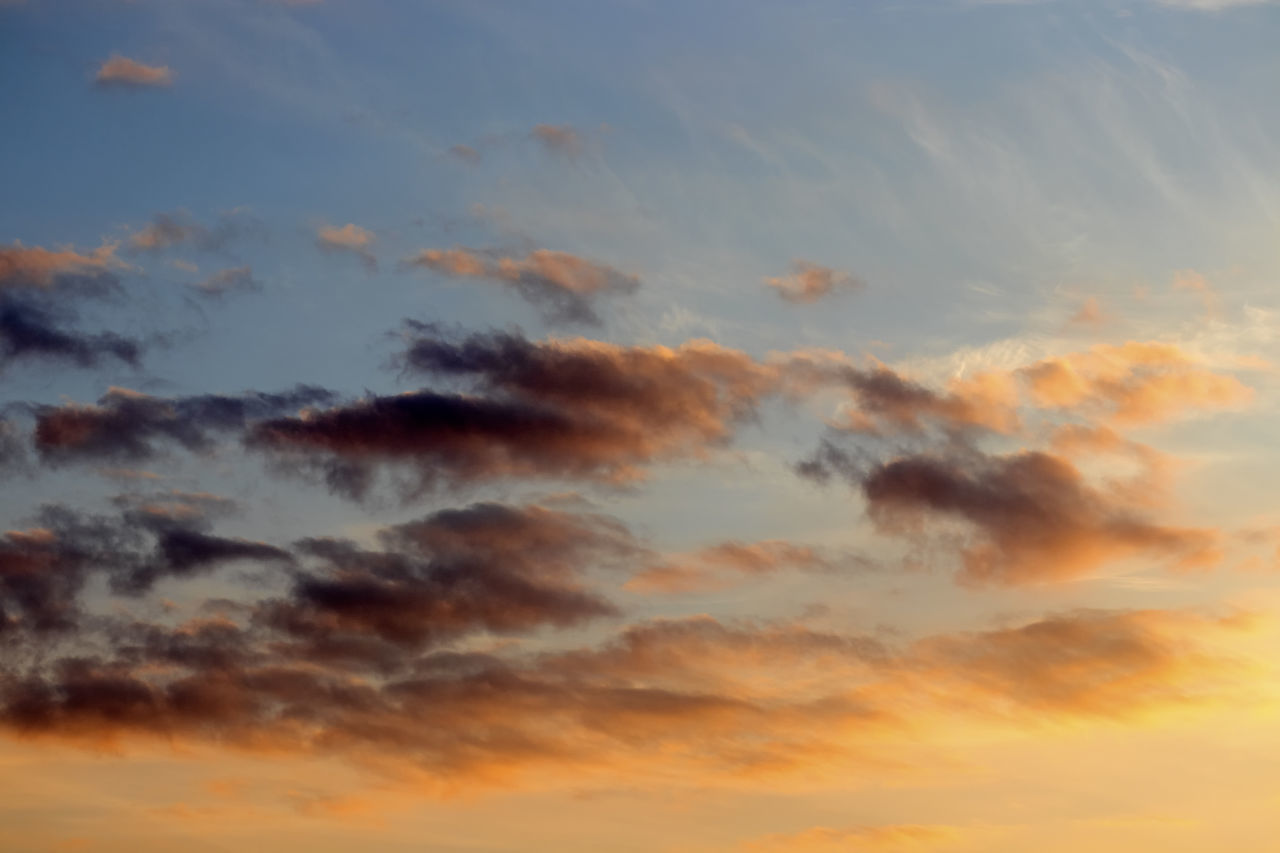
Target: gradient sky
x=699 y=427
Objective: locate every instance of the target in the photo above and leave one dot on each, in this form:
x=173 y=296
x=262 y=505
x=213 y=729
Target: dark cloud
x=573 y=409
x=487 y=567
x=1030 y=516
x=562 y=286
x=127 y=426
x=44 y=568
x=32 y=331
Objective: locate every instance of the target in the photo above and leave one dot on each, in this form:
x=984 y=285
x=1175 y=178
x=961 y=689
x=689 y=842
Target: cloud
x=120 y=71
x=1030 y=516
x=37 y=267
x=887 y=403
x=1131 y=383
x=559 y=139
x=1087 y=663
x=722 y=565
x=30 y=331
x=704 y=699
x=574 y=409
x=128 y=426
x=180 y=228
x=487 y=567
x=562 y=286
x=1090 y=313
x=233 y=280
x=348 y=238
x=466 y=153
x=808 y=282
x=1190 y=280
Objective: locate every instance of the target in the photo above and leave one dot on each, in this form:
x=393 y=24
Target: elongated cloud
x=724 y=564
x=711 y=700
x=575 y=409
x=36 y=267
x=1032 y=515
x=1131 y=383
x=808 y=282
x=30 y=331
x=562 y=286
x=348 y=238
x=128 y=426
x=121 y=71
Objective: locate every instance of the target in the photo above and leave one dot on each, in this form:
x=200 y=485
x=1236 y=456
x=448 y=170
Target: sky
x=658 y=427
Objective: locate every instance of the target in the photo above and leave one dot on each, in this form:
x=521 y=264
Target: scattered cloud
x=562 y=286
x=348 y=238
x=121 y=71
x=233 y=280
x=559 y=139
x=180 y=228
x=809 y=282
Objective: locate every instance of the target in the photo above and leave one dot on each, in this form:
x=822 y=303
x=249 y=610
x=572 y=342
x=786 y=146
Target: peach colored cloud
x=563 y=286
x=348 y=238
x=36 y=266
x=725 y=564
x=123 y=71
x=1131 y=383
x=808 y=282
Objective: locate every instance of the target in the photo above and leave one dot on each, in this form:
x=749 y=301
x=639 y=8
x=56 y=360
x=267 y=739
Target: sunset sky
x=718 y=426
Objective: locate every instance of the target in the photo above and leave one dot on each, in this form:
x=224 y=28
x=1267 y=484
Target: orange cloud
x=122 y=71
x=697 y=698
x=1131 y=383
x=721 y=565
x=1110 y=664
